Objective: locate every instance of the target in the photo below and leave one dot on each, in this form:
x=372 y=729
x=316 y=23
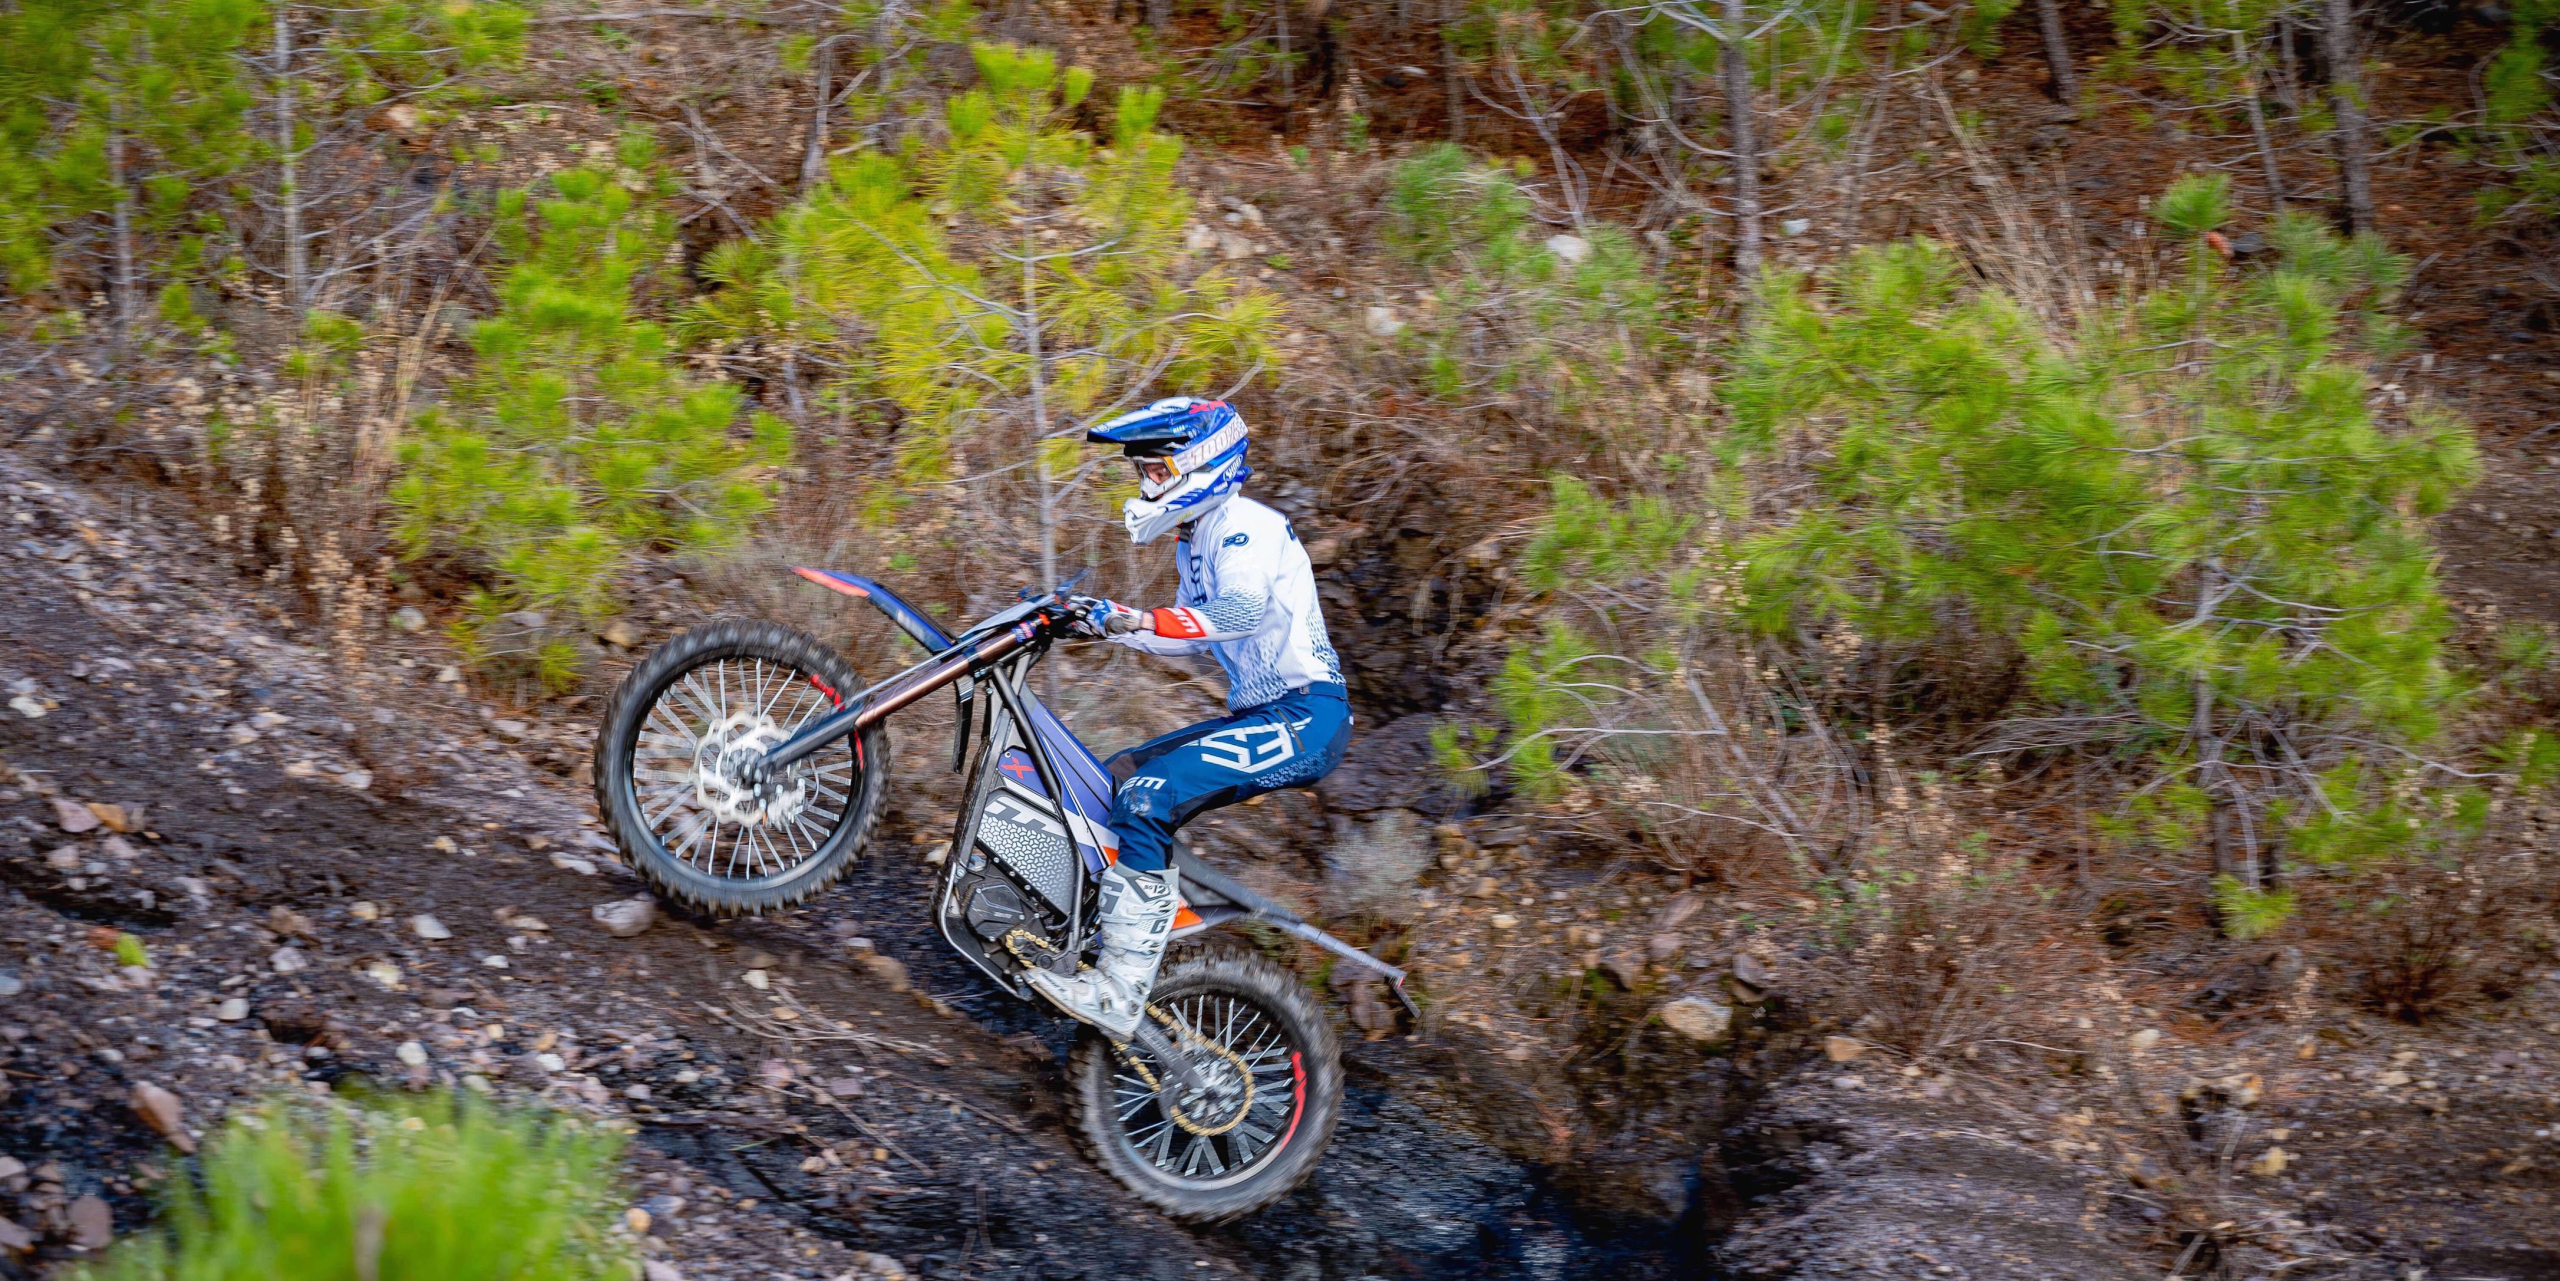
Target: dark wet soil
x=249 y=812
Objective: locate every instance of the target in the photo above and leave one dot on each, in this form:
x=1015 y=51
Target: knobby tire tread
x=632 y=699
x=1094 y=1127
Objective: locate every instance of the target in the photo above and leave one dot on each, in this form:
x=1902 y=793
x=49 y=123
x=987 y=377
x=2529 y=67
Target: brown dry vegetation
x=1938 y=895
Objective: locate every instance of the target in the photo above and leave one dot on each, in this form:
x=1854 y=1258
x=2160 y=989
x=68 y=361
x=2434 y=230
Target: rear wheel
x=1274 y=1069
x=666 y=782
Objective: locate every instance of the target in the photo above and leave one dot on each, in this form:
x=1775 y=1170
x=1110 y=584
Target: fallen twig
x=796 y=1023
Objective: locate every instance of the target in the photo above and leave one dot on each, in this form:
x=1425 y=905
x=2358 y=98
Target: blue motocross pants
x=1291 y=741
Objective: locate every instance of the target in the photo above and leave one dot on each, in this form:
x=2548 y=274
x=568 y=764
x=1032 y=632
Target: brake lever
x=1062 y=590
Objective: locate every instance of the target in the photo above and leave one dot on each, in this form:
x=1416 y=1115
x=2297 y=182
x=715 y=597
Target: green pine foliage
x=2188 y=44
x=1510 y=319
x=2202 y=540
x=2192 y=523
x=579 y=441
x=2516 y=95
x=436 y=1191
x=1005 y=280
x=377 y=51
x=2192 y=508
x=172 y=85
x=158 y=80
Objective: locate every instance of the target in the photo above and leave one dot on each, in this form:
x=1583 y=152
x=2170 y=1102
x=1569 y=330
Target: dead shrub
x=1946 y=943
x=2426 y=937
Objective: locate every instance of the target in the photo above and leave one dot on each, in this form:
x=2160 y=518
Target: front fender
x=908 y=618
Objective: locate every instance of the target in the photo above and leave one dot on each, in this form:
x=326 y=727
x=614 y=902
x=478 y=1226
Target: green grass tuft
x=433 y=1191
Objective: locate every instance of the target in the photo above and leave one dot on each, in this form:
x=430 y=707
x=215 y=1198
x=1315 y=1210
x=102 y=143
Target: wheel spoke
x=717 y=709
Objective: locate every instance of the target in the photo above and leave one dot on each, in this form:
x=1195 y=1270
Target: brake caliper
x=724 y=780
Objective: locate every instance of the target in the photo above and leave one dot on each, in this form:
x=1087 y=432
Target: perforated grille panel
x=1030 y=840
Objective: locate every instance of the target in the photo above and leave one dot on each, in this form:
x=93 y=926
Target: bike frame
x=1032 y=753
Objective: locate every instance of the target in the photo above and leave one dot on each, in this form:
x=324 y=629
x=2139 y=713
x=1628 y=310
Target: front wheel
x=1274 y=1069
x=666 y=769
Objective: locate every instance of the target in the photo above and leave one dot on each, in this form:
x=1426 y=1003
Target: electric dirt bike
x=740 y=767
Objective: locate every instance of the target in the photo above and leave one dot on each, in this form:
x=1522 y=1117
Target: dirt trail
x=285 y=845
x=279 y=872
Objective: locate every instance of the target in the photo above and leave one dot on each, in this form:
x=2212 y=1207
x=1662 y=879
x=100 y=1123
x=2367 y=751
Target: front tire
x=709 y=695
x=1214 y=1168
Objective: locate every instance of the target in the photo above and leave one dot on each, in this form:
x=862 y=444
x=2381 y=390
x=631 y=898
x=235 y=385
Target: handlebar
x=990 y=641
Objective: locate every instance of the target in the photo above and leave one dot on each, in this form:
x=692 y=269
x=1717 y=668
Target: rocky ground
x=362 y=879
x=238 y=863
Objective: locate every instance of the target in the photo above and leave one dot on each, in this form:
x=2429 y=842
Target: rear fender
x=1215 y=896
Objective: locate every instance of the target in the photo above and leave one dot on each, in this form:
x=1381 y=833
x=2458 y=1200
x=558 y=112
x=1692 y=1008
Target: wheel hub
x=724 y=777
x=1227 y=1092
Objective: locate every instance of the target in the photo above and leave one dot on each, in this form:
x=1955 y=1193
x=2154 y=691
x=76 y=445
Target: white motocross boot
x=1137 y=919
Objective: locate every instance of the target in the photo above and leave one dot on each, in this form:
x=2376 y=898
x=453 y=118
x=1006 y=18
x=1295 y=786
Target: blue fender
x=908 y=618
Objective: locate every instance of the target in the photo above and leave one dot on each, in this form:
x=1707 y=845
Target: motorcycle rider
x=1247 y=595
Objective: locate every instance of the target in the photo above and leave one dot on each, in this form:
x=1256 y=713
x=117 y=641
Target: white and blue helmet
x=1190 y=457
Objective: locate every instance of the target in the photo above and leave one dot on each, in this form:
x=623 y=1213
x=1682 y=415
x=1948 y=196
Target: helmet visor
x=1155 y=475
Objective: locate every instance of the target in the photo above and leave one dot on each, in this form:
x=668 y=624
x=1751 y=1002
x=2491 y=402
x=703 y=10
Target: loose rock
x=1697 y=1018
x=411 y=1054
x=891 y=974
x=289 y=960
x=426 y=926
x=1840 y=1049
x=233 y=1010
x=162 y=1111
x=627 y=918
x=73 y=816
x=409 y=618
x=118 y=818
x=93 y=1226
x=1754 y=971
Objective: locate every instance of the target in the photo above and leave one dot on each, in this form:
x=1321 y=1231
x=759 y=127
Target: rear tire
x=1293 y=1055
x=735 y=686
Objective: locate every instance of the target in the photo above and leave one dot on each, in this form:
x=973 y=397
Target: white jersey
x=1248 y=595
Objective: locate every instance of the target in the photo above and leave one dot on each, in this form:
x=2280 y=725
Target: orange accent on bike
x=828 y=690
x=1184 y=918
x=829 y=581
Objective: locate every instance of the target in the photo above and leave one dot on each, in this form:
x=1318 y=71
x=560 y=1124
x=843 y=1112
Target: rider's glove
x=1107 y=617
x=1112 y=618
